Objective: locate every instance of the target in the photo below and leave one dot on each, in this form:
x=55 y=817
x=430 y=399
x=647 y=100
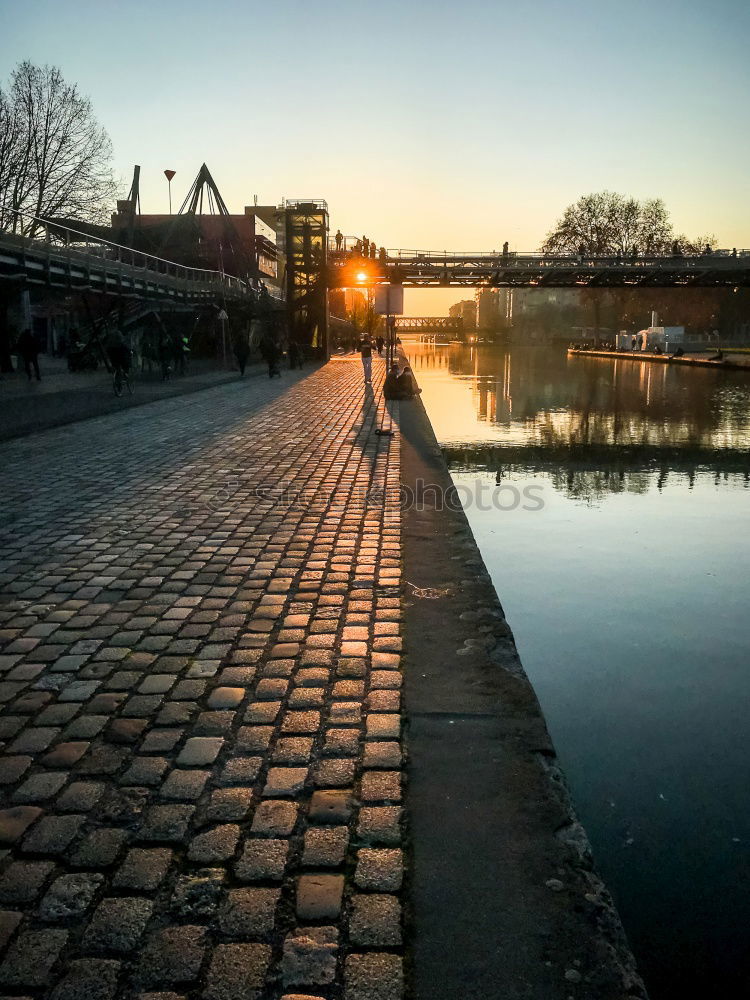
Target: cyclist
x=119 y=355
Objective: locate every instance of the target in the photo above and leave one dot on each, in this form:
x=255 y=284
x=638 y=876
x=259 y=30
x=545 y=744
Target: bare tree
x=607 y=224
x=54 y=155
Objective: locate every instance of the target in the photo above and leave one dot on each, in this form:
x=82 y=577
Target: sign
x=389 y=300
x=222 y=317
x=169 y=174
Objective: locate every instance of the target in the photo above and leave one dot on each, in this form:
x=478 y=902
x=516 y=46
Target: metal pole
x=169 y=185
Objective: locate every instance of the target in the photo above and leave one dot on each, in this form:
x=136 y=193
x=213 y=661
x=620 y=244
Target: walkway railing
x=69 y=245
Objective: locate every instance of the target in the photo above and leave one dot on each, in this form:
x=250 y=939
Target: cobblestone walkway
x=199 y=647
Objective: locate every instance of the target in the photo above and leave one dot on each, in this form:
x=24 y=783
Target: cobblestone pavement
x=200 y=652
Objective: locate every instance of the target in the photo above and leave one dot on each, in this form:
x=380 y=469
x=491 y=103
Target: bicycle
x=120 y=381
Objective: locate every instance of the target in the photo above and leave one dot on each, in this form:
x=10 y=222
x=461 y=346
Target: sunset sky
x=428 y=125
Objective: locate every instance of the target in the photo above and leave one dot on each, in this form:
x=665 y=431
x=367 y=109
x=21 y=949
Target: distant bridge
x=413 y=269
x=450 y=325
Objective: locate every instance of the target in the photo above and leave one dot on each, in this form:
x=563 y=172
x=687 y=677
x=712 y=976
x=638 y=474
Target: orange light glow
x=361 y=276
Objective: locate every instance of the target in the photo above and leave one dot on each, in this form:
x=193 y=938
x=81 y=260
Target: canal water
x=610 y=501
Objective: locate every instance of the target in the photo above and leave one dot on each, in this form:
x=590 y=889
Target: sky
x=424 y=124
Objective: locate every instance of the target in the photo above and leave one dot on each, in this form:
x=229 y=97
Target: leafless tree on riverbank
x=54 y=155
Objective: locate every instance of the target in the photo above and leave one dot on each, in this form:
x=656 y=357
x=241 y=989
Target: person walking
x=365 y=350
x=379 y=343
x=28 y=351
x=241 y=348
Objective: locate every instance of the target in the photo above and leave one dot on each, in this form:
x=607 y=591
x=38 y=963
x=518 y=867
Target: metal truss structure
x=719 y=269
x=429 y=324
x=306 y=239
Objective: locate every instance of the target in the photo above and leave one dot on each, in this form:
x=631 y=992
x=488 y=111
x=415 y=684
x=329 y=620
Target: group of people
x=362 y=248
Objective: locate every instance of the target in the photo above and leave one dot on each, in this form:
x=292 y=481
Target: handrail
x=183 y=271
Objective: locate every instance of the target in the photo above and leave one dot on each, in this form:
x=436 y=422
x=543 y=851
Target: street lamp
x=169 y=174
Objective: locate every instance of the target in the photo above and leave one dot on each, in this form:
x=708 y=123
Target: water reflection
x=627 y=592
x=540 y=396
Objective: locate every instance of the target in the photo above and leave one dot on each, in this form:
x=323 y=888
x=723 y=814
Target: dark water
x=626 y=584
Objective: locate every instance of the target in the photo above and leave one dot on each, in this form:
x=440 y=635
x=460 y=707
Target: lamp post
x=169 y=174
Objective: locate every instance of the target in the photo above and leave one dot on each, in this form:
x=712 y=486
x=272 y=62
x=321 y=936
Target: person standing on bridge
x=339 y=240
x=365 y=247
x=365 y=350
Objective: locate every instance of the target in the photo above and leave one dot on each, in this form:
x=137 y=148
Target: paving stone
x=375 y=921
x=184 y=786
x=197 y=894
x=335 y=773
x=248 y=913
x=301 y=722
x=381 y=786
x=214 y=723
x=215 y=845
x=52 y=834
x=31 y=957
x=22 y=881
x=237 y=970
x=330 y=806
x=69 y=897
x=379 y=869
x=166 y=823
x=240 y=771
x=325 y=847
x=9 y=921
x=147 y=771
x=309 y=957
x=262 y=860
x=126 y=731
x=199 y=751
x=11 y=769
x=226 y=697
x=285 y=781
x=100 y=848
x=117 y=925
x=88 y=979
x=143 y=868
x=376 y=976
x=319 y=896
x=274 y=818
x=382 y=755
x=227 y=805
x=171 y=956
x=15 y=821
x=379 y=825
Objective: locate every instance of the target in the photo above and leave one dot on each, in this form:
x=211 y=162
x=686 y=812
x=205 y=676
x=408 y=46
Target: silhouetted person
x=270 y=352
x=379 y=342
x=384 y=257
x=296 y=356
x=339 y=239
x=640 y=342
x=676 y=252
x=241 y=349
x=734 y=251
x=365 y=350
x=634 y=343
x=707 y=251
x=28 y=351
x=118 y=350
x=505 y=252
x=390 y=386
x=365 y=247
x=373 y=251
x=406 y=384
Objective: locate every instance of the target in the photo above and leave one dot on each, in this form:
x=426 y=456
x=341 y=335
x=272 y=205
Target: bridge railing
x=71 y=244
x=550 y=259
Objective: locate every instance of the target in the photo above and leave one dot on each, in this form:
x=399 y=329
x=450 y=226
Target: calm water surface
x=628 y=595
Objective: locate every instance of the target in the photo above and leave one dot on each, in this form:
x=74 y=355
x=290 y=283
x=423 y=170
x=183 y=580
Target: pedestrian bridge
x=450 y=325
x=71 y=260
x=416 y=269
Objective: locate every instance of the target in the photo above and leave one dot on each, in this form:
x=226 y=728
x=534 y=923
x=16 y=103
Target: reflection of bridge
x=719 y=269
x=452 y=326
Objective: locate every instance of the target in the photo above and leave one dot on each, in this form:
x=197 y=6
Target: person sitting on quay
x=403 y=386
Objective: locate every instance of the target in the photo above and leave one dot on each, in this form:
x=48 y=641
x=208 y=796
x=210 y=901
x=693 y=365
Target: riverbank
x=505 y=896
x=730 y=362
